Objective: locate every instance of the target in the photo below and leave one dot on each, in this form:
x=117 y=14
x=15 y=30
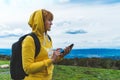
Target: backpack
x=16 y=69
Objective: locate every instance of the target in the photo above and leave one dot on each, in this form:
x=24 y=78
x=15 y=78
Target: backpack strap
x=49 y=37
x=37 y=43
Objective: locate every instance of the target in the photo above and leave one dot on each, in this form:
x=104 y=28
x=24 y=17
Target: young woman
x=41 y=67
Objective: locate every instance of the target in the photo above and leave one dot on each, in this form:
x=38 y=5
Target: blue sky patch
x=76 y=32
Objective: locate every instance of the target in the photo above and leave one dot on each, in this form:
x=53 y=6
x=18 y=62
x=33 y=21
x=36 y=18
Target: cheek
x=47 y=23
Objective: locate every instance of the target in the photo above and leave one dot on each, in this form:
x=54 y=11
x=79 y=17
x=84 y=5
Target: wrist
x=53 y=61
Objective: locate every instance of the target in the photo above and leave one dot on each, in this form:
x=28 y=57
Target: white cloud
x=64 y=1
x=101 y=22
x=20 y=10
x=7 y=31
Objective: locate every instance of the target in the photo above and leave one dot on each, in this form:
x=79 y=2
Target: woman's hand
x=56 y=54
x=66 y=51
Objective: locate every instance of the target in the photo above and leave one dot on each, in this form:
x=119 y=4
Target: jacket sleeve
x=28 y=61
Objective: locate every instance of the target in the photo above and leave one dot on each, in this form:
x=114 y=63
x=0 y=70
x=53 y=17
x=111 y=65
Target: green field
x=62 y=72
x=4 y=62
x=84 y=73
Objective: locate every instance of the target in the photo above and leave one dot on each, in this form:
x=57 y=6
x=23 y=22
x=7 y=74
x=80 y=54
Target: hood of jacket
x=36 y=23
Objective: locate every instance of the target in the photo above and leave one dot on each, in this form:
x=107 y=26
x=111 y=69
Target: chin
x=49 y=30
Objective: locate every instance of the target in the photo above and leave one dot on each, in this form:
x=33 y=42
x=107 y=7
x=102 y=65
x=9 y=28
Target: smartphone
x=71 y=46
x=62 y=50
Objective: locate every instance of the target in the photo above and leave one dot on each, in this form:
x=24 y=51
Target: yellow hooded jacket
x=41 y=67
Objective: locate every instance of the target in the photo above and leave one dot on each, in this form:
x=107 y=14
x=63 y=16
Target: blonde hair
x=47 y=15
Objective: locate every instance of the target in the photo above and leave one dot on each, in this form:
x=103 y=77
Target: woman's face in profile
x=48 y=23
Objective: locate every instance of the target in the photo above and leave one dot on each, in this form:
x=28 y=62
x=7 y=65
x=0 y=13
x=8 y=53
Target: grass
x=83 y=73
x=4 y=73
x=4 y=62
x=62 y=72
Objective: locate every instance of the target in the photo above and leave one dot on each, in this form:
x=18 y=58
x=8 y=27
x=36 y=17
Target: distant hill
x=83 y=53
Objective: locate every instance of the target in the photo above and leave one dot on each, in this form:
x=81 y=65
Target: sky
x=86 y=23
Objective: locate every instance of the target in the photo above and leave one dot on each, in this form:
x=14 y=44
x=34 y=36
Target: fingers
x=58 y=49
x=56 y=53
x=67 y=50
